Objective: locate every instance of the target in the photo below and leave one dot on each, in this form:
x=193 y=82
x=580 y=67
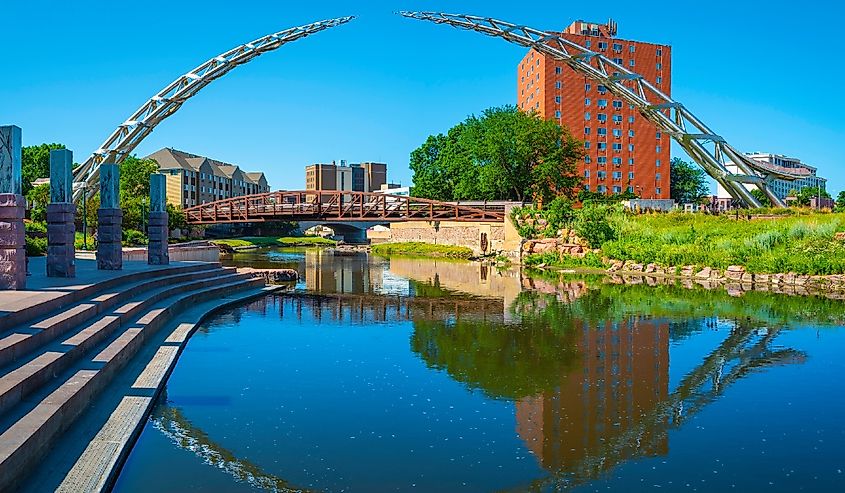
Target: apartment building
x=623 y=151
x=781 y=188
x=193 y=179
x=340 y=175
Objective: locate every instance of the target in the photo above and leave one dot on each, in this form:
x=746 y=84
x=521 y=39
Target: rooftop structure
x=354 y=177
x=780 y=187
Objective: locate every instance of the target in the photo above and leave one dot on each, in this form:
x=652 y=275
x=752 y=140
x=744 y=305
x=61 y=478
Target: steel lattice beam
x=703 y=145
x=130 y=133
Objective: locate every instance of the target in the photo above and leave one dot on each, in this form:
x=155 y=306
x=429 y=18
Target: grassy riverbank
x=416 y=249
x=274 y=241
x=801 y=241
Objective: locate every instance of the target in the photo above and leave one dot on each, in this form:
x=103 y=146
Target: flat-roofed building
x=193 y=179
x=781 y=188
x=354 y=177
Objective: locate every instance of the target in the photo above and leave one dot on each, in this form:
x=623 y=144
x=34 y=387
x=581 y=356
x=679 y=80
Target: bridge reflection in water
x=587 y=371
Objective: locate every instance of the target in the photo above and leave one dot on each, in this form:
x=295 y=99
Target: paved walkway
x=41 y=288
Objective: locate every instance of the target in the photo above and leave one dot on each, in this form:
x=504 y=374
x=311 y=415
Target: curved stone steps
x=18 y=342
x=38 y=425
x=69 y=295
x=29 y=375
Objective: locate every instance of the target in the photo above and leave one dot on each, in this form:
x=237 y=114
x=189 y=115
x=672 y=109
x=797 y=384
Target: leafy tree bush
x=175 y=218
x=133 y=237
x=38 y=198
x=593 y=223
x=840 y=202
x=36 y=247
x=35 y=163
x=687 y=182
x=505 y=154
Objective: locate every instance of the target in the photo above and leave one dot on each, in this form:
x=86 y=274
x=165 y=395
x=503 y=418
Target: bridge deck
x=315 y=205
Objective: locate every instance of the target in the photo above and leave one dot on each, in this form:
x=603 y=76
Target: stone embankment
x=272 y=276
x=735 y=279
x=568 y=243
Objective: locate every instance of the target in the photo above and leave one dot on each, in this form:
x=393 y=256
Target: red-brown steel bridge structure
x=340 y=206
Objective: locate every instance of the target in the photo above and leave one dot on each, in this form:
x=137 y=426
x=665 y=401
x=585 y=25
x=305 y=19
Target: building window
x=631 y=48
x=587 y=116
x=557 y=99
x=657 y=190
x=658 y=148
x=557 y=114
x=602 y=89
x=659 y=52
x=587 y=87
x=601 y=174
x=601 y=189
x=631 y=119
x=587 y=187
x=587 y=102
x=602 y=103
x=617 y=189
x=630 y=175
x=558 y=85
x=659 y=66
x=602 y=45
x=602 y=161
x=659 y=79
x=617 y=118
x=618 y=61
x=631 y=147
x=602 y=146
x=617 y=47
x=630 y=133
x=557 y=69
x=586 y=173
x=587 y=159
x=617 y=132
x=617 y=161
x=617 y=104
x=601 y=117
x=657 y=176
x=631 y=62
x=659 y=135
x=657 y=163
x=586 y=130
x=617 y=175
x=630 y=161
x=586 y=144
x=602 y=131
x=587 y=43
x=617 y=146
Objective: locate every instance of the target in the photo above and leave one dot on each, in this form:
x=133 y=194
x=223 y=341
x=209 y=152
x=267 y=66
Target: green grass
x=273 y=241
x=415 y=249
x=553 y=259
x=801 y=243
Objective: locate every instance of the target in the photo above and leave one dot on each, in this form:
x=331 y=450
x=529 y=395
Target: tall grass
x=791 y=243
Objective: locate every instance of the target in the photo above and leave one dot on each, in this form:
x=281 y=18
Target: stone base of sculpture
x=109 y=237
x=12 y=242
x=61 y=252
x=158 y=234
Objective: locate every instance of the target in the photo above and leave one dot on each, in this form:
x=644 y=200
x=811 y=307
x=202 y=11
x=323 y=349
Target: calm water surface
x=418 y=375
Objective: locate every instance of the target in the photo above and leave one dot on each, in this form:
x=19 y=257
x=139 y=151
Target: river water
x=423 y=375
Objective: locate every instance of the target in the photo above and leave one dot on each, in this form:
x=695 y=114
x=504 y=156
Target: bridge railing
x=316 y=205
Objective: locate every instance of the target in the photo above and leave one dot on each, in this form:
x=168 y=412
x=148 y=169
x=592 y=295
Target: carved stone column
x=158 y=230
x=109 y=220
x=61 y=212
x=12 y=209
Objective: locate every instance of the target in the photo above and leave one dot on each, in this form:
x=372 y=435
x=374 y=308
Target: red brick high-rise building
x=623 y=151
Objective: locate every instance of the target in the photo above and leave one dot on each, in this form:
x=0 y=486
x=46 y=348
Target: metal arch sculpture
x=703 y=145
x=130 y=133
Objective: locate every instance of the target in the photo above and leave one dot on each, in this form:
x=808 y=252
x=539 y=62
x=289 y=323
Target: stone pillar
x=109 y=220
x=61 y=213
x=12 y=205
x=158 y=231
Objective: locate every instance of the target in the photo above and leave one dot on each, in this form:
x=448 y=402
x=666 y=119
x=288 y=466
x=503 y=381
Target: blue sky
x=374 y=89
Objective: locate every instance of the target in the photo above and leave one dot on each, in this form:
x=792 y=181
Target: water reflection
x=580 y=368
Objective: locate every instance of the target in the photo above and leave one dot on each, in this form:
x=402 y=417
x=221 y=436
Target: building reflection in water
x=587 y=371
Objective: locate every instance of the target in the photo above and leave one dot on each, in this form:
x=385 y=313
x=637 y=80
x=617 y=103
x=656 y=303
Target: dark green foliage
x=175 y=218
x=759 y=195
x=35 y=163
x=504 y=154
x=805 y=194
x=38 y=198
x=840 y=202
x=688 y=182
x=593 y=223
x=133 y=237
x=36 y=247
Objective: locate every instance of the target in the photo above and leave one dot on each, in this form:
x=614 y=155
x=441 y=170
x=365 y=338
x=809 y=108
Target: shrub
x=36 y=247
x=133 y=237
x=594 y=224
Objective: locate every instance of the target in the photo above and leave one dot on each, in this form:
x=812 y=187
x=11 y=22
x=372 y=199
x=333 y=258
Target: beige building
x=194 y=180
x=355 y=177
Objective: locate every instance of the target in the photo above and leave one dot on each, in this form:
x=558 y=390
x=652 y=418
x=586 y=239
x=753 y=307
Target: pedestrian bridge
x=340 y=206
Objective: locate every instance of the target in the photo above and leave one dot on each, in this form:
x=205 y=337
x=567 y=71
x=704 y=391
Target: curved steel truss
x=131 y=132
x=703 y=145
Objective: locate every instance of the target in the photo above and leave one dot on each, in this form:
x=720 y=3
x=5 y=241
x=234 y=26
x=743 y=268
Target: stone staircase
x=56 y=360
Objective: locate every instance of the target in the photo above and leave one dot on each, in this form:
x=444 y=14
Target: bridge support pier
x=109 y=220
x=12 y=203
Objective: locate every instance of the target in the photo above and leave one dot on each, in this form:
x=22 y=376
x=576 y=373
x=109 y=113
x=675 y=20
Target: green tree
x=759 y=195
x=687 y=182
x=38 y=198
x=135 y=177
x=35 y=163
x=840 y=202
x=505 y=154
x=176 y=218
x=805 y=194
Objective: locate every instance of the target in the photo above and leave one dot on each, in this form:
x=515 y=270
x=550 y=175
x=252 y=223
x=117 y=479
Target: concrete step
x=18 y=382
x=23 y=340
x=75 y=294
x=32 y=435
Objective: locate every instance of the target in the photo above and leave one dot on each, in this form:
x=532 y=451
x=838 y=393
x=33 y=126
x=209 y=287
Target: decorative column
x=158 y=230
x=61 y=212
x=109 y=220
x=12 y=205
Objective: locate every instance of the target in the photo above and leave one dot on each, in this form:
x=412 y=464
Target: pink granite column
x=12 y=204
x=12 y=242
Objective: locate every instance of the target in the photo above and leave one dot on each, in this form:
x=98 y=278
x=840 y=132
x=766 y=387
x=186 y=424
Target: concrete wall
x=501 y=237
x=177 y=254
